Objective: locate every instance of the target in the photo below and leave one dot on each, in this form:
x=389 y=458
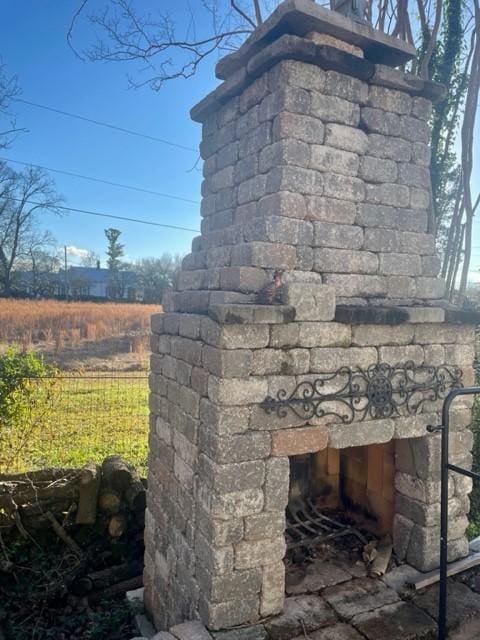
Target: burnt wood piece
x=352 y=314
x=462 y=316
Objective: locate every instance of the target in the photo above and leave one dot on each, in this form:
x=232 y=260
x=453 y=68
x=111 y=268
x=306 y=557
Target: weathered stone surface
x=359 y=596
x=280 y=229
x=392 y=148
x=300 y=613
x=378 y=121
x=295 y=442
x=396 y=195
x=325 y=158
x=276 y=484
x=334 y=109
x=256 y=314
x=399 y=621
x=400 y=264
x=319 y=574
x=343 y=187
x=339 y=631
x=238 y=584
x=328 y=260
x=353 y=285
x=312 y=302
x=346 y=86
x=297 y=74
x=257 y=632
x=327 y=234
x=288 y=151
x=393 y=355
x=283 y=203
x=346 y=138
x=237 y=390
x=280 y=361
x=324 y=360
x=293 y=125
x=331 y=210
x=232 y=612
x=256 y=553
x=430 y=288
x=377 y=169
x=265 y=525
x=190 y=631
x=295 y=179
x=273 y=589
x=462 y=603
x=236 y=504
x=374 y=335
x=227 y=363
x=234 y=336
x=323 y=334
x=360 y=433
x=375 y=215
x=389 y=100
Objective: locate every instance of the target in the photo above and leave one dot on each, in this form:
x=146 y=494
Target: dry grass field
x=79 y=335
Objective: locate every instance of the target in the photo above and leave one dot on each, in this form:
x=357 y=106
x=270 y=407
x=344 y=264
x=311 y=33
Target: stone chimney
x=316 y=163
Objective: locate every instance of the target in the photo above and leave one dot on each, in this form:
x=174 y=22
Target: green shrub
x=26 y=390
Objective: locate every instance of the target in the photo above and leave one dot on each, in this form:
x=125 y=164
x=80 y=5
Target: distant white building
x=80 y=282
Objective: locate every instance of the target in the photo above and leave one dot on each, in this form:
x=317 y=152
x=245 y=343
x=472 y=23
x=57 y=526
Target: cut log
x=88 y=488
x=427 y=579
x=117 y=525
x=63 y=535
x=110 y=502
x=120 y=587
x=117 y=474
x=104 y=578
x=136 y=496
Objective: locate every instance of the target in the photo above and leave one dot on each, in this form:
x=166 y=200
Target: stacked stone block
x=315 y=162
x=219 y=465
x=315 y=171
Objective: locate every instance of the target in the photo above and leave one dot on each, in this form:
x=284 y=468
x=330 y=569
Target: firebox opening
x=335 y=493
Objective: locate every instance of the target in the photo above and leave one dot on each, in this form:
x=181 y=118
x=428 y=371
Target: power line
x=93 y=179
x=105 y=124
x=107 y=215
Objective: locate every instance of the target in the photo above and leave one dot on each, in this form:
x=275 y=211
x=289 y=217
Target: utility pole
x=66 y=276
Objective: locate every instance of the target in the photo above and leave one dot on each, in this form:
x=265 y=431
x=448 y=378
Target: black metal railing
x=446 y=466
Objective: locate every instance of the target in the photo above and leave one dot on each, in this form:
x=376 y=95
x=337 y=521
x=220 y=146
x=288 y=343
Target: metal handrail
x=444 y=428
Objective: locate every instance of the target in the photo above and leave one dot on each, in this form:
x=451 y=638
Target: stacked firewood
x=91 y=511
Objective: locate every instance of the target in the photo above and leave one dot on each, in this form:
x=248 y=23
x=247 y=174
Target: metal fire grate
x=306 y=526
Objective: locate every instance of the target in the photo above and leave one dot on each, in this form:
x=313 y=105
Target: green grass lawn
x=88 y=418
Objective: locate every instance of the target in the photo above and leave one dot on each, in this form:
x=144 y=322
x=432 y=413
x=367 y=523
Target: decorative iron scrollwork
x=381 y=391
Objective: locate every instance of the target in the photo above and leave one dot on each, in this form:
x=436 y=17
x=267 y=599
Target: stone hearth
x=316 y=163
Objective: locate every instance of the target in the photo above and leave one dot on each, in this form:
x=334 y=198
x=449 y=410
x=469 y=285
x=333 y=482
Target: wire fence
x=67 y=420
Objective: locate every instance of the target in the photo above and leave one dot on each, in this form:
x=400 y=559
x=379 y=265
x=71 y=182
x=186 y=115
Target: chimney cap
x=299 y=17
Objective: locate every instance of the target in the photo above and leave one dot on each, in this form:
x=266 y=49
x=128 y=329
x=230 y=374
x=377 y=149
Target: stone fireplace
x=316 y=163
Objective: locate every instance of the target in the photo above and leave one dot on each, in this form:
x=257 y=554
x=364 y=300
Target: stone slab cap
x=462 y=316
x=251 y=313
x=357 y=314
x=300 y=17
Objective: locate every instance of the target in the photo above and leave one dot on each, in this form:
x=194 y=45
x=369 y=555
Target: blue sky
x=33 y=46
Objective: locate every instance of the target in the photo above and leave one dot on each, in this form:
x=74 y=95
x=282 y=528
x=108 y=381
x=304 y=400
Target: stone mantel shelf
x=247 y=313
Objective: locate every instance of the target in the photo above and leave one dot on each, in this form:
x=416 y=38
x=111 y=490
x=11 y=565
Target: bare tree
x=126 y=32
x=8 y=90
x=445 y=32
x=24 y=196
